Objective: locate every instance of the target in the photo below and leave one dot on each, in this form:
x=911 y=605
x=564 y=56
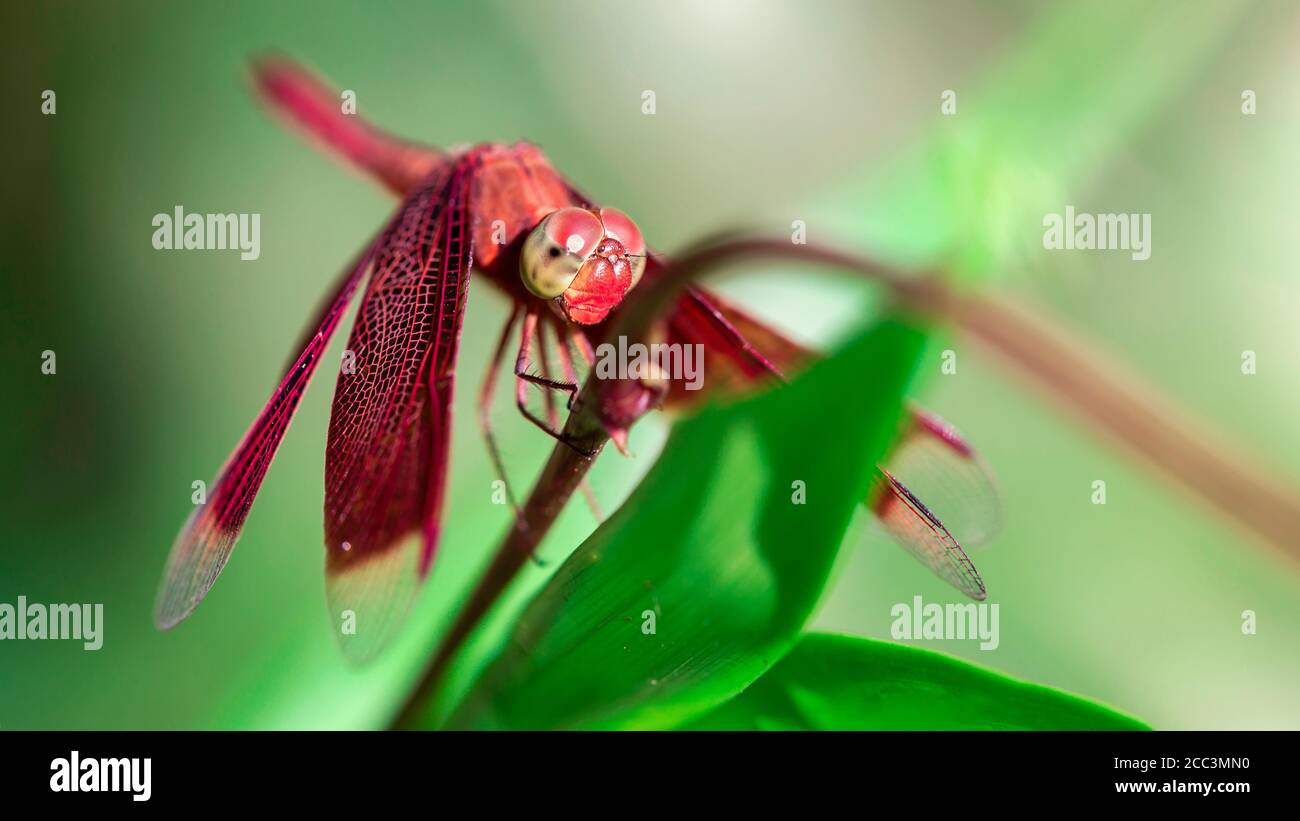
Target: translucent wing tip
x=914 y=527
x=935 y=461
x=197 y=558
x=370 y=597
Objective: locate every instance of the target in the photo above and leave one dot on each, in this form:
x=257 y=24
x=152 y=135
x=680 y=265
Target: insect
x=504 y=214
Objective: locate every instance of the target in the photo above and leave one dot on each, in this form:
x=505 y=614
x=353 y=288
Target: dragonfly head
x=585 y=260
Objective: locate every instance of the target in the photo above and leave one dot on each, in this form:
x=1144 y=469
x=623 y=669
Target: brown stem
x=655 y=297
x=564 y=472
x=1113 y=400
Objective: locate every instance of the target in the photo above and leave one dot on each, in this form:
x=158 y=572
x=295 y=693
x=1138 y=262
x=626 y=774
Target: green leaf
x=712 y=547
x=844 y=683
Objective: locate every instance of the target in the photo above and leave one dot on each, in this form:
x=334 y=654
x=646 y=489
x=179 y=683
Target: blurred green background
x=767 y=112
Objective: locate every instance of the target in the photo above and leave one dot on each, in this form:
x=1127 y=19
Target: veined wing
x=208 y=537
x=389 y=433
x=938 y=465
x=914 y=527
x=929 y=453
x=739 y=351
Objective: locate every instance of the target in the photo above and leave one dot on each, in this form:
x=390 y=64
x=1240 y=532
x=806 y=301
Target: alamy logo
x=656 y=361
x=77 y=774
x=82 y=622
x=180 y=231
x=1100 y=232
x=946 y=621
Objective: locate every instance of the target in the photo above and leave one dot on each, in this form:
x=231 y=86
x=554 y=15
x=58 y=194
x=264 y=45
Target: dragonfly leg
x=562 y=341
x=487 y=393
x=532 y=331
x=548 y=397
x=523 y=378
x=571 y=336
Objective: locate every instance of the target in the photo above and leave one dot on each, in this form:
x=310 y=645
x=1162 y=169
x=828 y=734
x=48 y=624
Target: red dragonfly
x=565 y=262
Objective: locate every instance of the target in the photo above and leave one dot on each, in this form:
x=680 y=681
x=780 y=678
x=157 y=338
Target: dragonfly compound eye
x=621 y=227
x=556 y=250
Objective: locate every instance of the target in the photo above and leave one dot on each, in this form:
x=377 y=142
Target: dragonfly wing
x=931 y=457
x=914 y=527
x=206 y=540
x=763 y=348
x=389 y=432
x=739 y=351
x=937 y=464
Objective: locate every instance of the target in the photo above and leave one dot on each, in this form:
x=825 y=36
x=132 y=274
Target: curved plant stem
x=562 y=475
x=1111 y=399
